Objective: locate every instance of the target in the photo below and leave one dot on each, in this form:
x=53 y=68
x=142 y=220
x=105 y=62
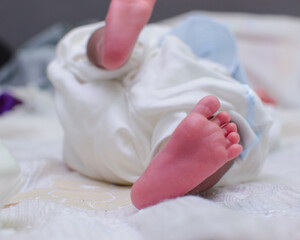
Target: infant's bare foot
x=196 y=150
x=110 y=47
x=265 y=97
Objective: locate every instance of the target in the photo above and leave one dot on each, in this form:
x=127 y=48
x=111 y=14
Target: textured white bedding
x=56 y=203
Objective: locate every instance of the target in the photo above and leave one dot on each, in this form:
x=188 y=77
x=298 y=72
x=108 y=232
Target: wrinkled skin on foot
x=199 y=148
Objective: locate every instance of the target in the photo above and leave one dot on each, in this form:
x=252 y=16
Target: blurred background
x=19 y=20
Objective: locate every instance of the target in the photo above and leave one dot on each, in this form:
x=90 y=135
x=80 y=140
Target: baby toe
x=207 y=106
x=221 y=118
x=234 y=151
x=229 y=128
x=232 y=138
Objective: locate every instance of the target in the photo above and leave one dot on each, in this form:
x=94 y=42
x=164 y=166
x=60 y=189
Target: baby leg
x=110 y=47
x=198 y=148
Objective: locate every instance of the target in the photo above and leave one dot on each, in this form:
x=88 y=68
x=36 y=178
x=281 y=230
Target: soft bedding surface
x=56 y=203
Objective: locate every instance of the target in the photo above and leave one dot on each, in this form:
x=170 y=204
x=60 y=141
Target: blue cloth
x=211 y=40
x=28 y=65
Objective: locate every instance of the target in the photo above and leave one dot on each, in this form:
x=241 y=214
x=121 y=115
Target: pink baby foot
x=197 y=149
x=110 y=47
x=265 y=97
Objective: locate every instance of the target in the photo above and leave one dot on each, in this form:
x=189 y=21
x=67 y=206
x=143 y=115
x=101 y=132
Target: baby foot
x=265 y=97
x=198 y=148
x=110 y=47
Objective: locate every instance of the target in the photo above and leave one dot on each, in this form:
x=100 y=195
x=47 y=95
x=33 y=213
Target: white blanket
x=56 y=203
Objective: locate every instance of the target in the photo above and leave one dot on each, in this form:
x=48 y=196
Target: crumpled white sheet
x=267 y=208
x=116 y=121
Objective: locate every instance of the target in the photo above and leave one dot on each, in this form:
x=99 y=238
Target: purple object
x=8 y=102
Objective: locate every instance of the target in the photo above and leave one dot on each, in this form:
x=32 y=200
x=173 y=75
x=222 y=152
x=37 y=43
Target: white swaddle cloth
x=116 y=121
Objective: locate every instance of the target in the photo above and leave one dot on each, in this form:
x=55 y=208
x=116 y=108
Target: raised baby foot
x=110 y=47
x=198 y=148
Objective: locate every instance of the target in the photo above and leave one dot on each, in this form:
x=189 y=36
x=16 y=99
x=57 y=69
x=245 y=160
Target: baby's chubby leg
x=110 y=47
x=197 y=154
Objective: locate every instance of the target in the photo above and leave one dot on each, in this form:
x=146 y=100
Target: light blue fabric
x=211 y=40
